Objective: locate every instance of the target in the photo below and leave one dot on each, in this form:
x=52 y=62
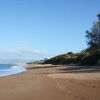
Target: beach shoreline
x=51 y=82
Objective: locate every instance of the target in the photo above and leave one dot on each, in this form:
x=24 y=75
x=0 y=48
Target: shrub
x=91 y=59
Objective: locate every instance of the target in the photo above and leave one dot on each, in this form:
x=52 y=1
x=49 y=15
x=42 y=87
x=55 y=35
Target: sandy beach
x=52 y=82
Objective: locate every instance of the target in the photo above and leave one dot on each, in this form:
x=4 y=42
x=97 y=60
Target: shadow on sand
x=80 y=69
x=50 y=66
x=70 y=68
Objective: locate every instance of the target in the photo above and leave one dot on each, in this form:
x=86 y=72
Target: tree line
x=93 y=36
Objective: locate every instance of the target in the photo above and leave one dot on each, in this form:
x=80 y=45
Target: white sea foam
x=6 y=70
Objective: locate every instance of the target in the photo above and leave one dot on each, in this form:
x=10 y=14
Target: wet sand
x=50 y=82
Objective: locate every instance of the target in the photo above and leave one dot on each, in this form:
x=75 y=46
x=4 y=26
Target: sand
x=49 y=82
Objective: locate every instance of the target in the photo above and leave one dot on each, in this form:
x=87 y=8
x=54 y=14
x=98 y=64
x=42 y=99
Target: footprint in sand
x=82 y=98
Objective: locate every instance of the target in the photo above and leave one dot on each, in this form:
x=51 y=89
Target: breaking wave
x=6 y=69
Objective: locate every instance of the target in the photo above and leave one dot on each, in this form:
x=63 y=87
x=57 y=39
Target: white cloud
x=22 y=54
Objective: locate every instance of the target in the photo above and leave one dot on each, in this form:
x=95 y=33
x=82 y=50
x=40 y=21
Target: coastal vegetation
x=89 y=56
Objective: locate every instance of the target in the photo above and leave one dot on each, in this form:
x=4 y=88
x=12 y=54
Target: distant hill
x=38 y=62
x=82 y=58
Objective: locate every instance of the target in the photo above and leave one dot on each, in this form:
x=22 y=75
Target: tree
x=98 y=16
x=93 y=37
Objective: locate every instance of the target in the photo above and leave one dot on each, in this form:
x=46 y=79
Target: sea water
x=6 y=69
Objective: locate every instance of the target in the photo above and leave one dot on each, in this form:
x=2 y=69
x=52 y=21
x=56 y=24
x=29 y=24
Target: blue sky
x=44 y=28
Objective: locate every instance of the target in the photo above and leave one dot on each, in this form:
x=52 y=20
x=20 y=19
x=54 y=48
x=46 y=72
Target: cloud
x=22 y=54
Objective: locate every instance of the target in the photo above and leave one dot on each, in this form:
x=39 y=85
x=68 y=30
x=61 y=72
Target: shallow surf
x=6 y=69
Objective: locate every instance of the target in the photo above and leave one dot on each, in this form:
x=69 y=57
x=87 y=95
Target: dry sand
x=48 y=82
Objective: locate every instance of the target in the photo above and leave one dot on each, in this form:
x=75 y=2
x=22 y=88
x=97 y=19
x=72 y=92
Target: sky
x=36 y=29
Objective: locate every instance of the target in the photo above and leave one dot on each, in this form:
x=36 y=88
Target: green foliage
x=98 y=16
x=93 y=37
x=63 y=59
x=83 y=58
x=90 y=56
x=91 y=59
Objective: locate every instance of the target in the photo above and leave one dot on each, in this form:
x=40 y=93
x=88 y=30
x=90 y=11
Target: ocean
x=6 y=69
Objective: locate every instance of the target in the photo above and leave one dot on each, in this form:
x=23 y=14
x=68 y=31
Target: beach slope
x=51 y=82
